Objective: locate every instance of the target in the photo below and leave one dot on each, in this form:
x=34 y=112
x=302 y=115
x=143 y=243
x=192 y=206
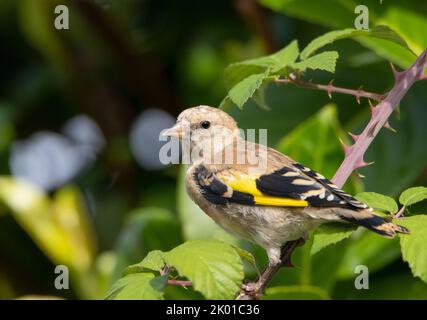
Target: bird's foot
x=289 y=247
x=250 y=291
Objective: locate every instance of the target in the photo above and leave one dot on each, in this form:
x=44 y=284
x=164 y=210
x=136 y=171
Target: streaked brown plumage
x=270 y=201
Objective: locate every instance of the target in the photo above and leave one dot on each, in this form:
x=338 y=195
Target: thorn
x=371 y=106
x=389 y=127
x=354 y=136
x=396 y=73
x=359 y=92
x=346 y=148
x=374 y=110
x=361 y=176
x=397 y=112
x=330 y=86
x=363 y=163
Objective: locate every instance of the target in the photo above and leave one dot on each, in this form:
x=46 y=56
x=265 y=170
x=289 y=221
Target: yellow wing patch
x=246 y=184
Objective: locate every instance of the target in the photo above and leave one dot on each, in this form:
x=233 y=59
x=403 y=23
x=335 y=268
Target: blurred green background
x=81 y=111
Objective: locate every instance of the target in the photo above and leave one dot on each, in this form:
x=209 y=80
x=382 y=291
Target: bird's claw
x=250 y=291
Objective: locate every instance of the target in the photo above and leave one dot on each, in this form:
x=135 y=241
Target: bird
x=259 y=194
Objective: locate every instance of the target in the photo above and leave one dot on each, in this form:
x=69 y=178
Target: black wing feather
x=215 y=191
x=303 y=183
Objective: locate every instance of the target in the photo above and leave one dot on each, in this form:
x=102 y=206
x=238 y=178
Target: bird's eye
x=205 y=124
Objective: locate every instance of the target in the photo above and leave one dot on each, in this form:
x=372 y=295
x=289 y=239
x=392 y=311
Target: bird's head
x=204 y=129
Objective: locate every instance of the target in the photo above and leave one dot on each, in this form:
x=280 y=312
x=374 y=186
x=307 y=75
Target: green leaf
x=301 y=292
x=226 y=104
x=239 y=71
x=378 y=201
x=402 y=17
x=386 y=33
x=327 y=38
x=383 y=32
x=414 y=245
x=247 y=256
x=154 y=261
x=214 y=267
x=138 y=286
x=325 y=265
x=244 y=90
x=413 y=195
x=330 y=233
x=236 y=72
x=323 y=61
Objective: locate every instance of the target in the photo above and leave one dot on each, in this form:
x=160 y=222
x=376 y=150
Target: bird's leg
x=253 y=290
x=287 y=250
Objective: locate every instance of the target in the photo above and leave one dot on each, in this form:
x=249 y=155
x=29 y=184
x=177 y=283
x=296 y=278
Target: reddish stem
x=330 y=88
x=173 y=282
x=354 y=155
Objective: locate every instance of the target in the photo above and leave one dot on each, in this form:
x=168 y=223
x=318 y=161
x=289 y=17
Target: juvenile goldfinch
x=256 y=192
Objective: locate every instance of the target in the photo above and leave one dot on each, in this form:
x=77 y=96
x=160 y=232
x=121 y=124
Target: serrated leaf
x=236 y=72
x=403 y=17
x=413 y=195
x=323 y=61
x=327 y=38
x=154 y=261
x=378 y=201
x=414 y=245
x=214 y=267
x=330 y=233
x=138 y=286
x=244 y=90
x=382 y=32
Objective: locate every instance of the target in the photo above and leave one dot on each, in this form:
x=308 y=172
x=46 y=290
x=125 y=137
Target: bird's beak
x=176 y=131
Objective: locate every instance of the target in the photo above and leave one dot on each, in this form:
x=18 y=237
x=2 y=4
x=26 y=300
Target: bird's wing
x=290 y=186
x=299 y=182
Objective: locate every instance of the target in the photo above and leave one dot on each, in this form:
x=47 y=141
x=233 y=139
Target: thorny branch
x=354 y=155
x=330 y=88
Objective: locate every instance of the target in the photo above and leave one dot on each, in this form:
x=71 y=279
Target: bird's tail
x=373 y=222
